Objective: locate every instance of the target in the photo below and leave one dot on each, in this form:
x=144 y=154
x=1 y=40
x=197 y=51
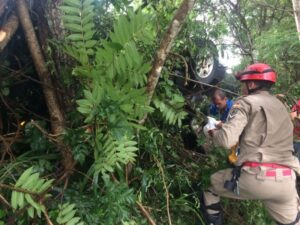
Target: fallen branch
x=8 y=30
x=145 y=213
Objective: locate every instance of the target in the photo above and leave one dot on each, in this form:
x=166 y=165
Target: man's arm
x=228 y=135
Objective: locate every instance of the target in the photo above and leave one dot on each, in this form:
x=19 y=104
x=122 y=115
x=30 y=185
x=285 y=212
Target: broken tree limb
x=165 y=46
x=55 y=112
x=8 y=30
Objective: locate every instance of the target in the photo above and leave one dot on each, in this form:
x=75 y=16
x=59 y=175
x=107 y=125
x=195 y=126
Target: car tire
x=207 y=69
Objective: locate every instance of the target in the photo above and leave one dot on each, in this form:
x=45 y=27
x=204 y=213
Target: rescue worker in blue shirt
x=221 y=105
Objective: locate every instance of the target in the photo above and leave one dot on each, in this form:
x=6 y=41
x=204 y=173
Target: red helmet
x=257 y=71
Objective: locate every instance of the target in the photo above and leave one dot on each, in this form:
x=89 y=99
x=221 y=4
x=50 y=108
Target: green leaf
x=75 y=37
x=46 y=185
x=21 y=202
x=84 y=110
x=30 y=212
x=25 y=175
x=88 y=19
x=68 y=209
x=90 y=43
x=70 y=10
x=14 y=200
x=73 y=221
x=67 y=217
x=75 y=3
x=29 y=184
x=32 y=202
x=74 y=28
x=71 y=19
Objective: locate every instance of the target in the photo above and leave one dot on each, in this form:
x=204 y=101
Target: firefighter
x=266 y=167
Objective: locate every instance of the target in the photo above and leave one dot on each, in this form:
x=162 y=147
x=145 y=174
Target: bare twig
x=49 y=222
x=51 y=136
x=2 y=199
x=185 y=65
x=7 y=149
x=145 y=213
x=166 y=189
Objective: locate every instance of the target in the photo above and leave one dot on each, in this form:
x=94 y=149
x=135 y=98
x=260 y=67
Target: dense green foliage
x=120 y=163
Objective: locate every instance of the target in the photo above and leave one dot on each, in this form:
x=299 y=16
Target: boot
x=214 y=219
x=210 y=219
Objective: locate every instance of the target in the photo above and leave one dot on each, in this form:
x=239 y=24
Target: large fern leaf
x=114 y=153
x=29 y=183
x=78 y=21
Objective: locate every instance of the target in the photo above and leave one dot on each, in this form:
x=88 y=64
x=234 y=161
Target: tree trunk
x=296 y=7
x=56 y=114
x=165 y=46
x=8 y=30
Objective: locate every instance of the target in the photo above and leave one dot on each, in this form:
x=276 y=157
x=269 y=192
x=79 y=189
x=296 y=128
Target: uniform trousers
x=278 y=193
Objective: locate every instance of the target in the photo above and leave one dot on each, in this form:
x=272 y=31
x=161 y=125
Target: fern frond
x=114 y=153
x=171 y=113
x=66 y=215
x=30 y=182
x=78 y=21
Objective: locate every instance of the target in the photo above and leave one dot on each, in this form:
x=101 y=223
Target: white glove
x=211 y=124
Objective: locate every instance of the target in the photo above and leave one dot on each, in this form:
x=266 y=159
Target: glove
x=211 y=125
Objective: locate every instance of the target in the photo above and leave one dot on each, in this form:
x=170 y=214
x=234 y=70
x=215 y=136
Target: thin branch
x=209 y=85
x=185 y=65
x=145 y=213
x=49 y=222
x=2 y=199
x=166 y=189
x=51 y=136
